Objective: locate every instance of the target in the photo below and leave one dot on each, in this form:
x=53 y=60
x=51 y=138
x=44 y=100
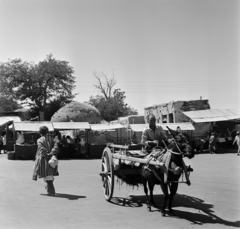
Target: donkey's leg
x=173 y=190
x=146 y=193
x=164 y=188
x=151 y=186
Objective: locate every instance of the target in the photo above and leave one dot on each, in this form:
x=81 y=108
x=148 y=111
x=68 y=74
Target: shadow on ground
x=126 y=202
x=205 y=211
x=66 y=196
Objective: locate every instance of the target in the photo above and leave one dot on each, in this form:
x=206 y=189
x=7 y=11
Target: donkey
x=168 y=175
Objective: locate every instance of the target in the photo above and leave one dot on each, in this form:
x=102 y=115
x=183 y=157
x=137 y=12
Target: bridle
x=180 y=152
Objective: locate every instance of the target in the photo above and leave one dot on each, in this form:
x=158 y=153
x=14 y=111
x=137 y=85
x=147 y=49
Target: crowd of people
x=69 y=147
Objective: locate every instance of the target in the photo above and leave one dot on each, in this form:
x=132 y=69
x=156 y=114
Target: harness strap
x=177 y=146
x=175 y=152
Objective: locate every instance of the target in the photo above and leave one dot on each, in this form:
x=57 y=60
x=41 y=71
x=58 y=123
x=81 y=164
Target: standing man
x=213 y=143
x=237 y=140
x=42 y=169
x=152 y=135
x=4 y=139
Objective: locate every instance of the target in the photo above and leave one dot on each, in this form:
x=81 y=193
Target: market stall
x=6 y=130
x=74 y=138
x=100 y=135
x=226 y=121
x=29 y=130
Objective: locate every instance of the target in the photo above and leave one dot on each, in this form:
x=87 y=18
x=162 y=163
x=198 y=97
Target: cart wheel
x=107 y=173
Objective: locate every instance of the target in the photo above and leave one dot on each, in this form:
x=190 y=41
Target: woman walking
x=47 y=149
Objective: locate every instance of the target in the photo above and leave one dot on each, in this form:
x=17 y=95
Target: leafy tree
x=7 y=103
x=51 y=108
x=38 y=84
x=110 y=103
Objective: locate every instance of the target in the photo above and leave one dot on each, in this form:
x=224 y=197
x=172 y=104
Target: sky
x=158 y=50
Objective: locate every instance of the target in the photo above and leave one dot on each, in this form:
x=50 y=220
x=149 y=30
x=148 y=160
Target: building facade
x=172 y=112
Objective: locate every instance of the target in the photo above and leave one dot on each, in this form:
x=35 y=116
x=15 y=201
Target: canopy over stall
x=71 y=125
x=173 y=126
x=100 y=135
x=29 y=148
x=32 y=126
x=8 y=120
x=214 y=115
x=100 y=127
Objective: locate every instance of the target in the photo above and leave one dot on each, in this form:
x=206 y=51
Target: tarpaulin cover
x=213 y=115
x=32 y=126
x=5 y=119
x=8 y=120
x=98 y=127
x=173 y=126
x=71 y=125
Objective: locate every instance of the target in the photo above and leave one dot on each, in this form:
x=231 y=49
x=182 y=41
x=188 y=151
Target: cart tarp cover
x=173 y=126
x=213 y=115
x=71 y=125
x=32 y=126
x=99 y=127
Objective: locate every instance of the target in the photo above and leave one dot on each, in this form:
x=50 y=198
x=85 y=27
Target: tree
x=38 y=84
x=7 y=103
x=109 y=102
x=105 y=89
x=51 y=108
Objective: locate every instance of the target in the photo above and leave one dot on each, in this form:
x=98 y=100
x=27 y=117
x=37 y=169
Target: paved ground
x=212 y=201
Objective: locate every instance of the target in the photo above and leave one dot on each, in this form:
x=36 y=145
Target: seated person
x=152 y=135
x=20 y=138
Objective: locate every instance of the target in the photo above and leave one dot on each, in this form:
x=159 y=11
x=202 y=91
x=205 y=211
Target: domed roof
x=77 y=112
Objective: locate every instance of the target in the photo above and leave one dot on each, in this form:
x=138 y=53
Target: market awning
x=213 y=115
x=181 y=125
x=8 y=120
x=173 y=126
x=71 y=125
x=5 y=119
x=99 y=127
x=32 y=126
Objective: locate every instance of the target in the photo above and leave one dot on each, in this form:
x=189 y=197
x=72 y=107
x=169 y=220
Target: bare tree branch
x=105 y=88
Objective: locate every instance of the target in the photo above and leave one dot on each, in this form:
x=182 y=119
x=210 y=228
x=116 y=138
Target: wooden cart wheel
x=107 y=173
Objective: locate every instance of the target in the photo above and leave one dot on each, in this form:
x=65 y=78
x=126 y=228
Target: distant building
x=172 y=112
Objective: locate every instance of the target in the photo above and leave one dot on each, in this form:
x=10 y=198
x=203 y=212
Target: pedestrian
x=83 y=149
x=213 y=143
x=237 y=140
x=70 y=146
x=65 y=147
x=1 y=144
x=4 y=139
x=20 y=138
x=213 y=128
x=46 y=150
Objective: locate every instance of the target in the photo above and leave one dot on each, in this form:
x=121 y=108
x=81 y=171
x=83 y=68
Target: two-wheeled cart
x=122 y=155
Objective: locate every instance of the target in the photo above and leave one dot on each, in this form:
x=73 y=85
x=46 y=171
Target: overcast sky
x=158 y=51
